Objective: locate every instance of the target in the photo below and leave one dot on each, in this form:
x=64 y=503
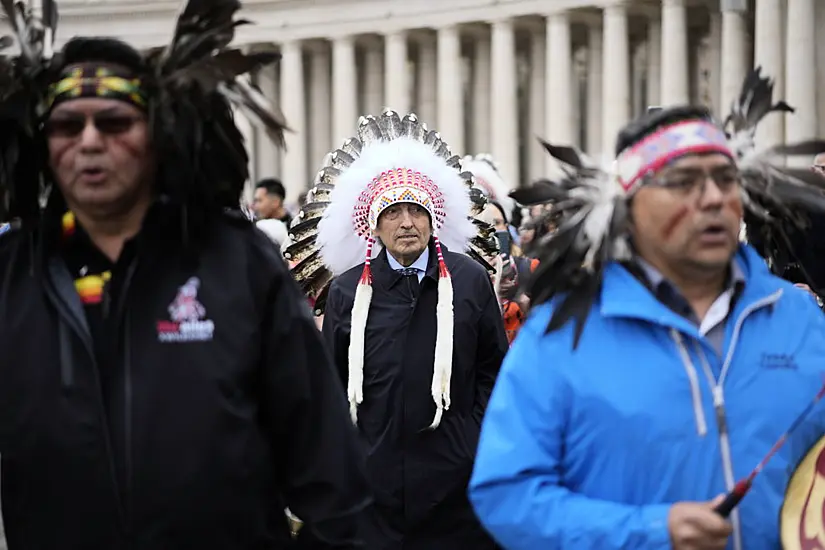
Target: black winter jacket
x=220 y=420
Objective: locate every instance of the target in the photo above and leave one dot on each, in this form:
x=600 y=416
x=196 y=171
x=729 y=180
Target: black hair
x=101 y=50
x=273 y=186
x=645 y=125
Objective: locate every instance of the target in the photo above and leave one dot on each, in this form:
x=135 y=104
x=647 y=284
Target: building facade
x=491 y=75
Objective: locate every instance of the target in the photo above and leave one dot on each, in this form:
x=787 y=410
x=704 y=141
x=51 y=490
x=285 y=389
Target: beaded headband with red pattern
x=395 y=186
x=667 y=144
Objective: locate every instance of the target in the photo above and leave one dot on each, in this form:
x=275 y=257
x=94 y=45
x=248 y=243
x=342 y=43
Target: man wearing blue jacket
x=625 y=431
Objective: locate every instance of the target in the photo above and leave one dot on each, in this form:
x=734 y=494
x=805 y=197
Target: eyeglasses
x=105 y=123
x=692 y=182
x=819 y=169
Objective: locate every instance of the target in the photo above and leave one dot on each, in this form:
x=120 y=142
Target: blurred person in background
x=269 y=201
x=487 y=177
x=513 y=271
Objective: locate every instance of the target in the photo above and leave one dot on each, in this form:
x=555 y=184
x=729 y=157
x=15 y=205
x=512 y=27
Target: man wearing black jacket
x=162 y=383
x=416 y=330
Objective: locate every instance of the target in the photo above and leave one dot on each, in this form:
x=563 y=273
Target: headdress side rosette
x=591 y=201
x=391 y=160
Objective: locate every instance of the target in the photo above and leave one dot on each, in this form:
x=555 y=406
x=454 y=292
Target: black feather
x=565 y=154
x=540 y=192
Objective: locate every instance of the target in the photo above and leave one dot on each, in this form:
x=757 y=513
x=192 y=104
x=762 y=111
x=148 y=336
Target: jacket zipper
x=57 y=274
x=719 y=403
x=122 y=320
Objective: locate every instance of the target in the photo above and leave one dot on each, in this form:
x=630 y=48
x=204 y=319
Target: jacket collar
x=624 y=295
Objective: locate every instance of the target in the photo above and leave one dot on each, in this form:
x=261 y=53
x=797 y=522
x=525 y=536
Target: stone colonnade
x=573 y=76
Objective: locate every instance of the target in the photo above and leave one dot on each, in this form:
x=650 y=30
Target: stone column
x=578 y=74
x=559 y=101
x=480 y=117
x=734 y=57
x=675 y=90
x=396 y=73
x=374 y=99
x=638 y=88
x=427 y=73
x=616 y=84
x=801 y=74
x=450 y=97
x=594 y=91
x=769 y=54
x=268 y=155
x=294 y=175
x=654 y=62
x=320 y=95
x=504 y=120
x=344 y=89
x=714 y=64
x=537 y=115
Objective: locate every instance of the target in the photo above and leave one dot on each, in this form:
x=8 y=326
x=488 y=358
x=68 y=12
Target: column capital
x=342 y=38
x=453 y=28
x=396 y=32
x=502 y=20
x=293 y=45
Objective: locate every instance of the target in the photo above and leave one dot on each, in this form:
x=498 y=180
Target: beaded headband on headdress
x=395 y=186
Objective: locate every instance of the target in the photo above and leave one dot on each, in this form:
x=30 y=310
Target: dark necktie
x=411 y=275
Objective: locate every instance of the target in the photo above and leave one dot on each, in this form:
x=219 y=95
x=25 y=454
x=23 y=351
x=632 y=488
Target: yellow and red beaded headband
x=96 y=81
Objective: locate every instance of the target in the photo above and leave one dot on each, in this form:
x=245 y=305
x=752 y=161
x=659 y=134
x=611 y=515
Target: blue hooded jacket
x=588 y=449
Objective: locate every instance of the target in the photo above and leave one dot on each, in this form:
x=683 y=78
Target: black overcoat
x=418 y=476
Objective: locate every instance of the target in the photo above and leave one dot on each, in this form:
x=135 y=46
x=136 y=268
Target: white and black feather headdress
x=391 y=160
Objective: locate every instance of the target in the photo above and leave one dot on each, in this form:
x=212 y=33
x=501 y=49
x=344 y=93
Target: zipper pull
x=719 y=407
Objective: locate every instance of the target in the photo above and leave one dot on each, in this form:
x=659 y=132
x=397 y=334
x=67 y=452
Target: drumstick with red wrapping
x=743 y=485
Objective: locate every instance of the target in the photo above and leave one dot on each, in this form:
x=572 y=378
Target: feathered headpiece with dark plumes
x=191 y=84
x=392 y=160
x=310 y=270
x=592 y=201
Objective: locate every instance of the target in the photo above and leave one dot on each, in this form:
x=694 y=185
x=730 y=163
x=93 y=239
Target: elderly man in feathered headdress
x=162 y=384
x=411 y=319
x=662 y=359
